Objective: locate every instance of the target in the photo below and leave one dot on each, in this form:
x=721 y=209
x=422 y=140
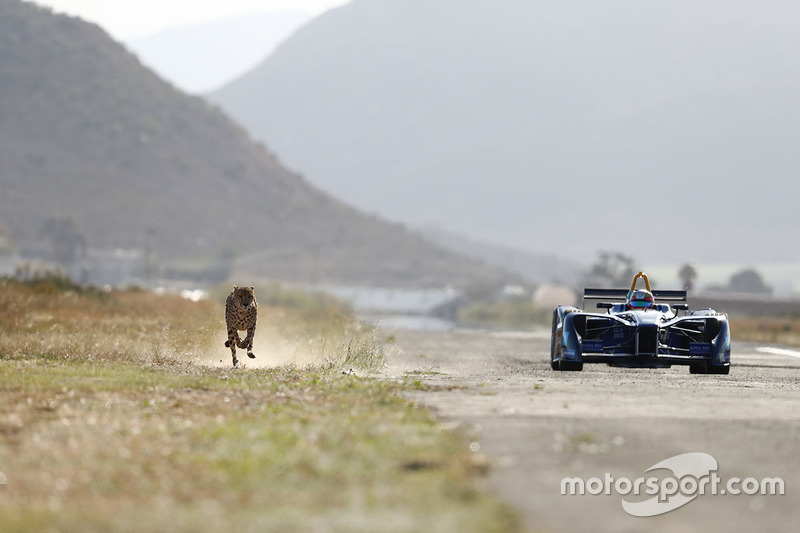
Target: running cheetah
x=241 y=313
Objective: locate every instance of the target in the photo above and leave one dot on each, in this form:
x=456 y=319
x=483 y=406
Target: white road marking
x=777 y=351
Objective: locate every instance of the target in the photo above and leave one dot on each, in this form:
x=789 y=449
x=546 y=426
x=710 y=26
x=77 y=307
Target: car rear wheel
x=715 y=369
x=553 y=362
x=571 y=366
x=707 y=368
x=564 y=366
x=697 y=368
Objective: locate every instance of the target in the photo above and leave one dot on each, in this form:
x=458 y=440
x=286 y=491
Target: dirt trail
x=539 y=426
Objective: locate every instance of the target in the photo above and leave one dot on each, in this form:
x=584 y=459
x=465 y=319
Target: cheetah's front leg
x=233 y=340
x=248 y=342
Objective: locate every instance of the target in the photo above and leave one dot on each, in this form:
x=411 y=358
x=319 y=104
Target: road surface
x=605 y=426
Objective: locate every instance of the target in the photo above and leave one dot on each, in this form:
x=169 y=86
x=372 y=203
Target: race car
x=640 y=328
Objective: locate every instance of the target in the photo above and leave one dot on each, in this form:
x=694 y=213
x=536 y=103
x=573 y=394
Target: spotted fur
x=241 y=313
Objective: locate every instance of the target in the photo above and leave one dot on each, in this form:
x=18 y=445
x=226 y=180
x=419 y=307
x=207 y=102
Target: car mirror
x=605 y=305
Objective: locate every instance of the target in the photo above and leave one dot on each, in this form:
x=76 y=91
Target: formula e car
x=640 y=329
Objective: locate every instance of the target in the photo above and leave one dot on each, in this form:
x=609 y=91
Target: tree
x=6 y=244
x=614 y=269
x=687 y=275
x=67 y=242
x=748 y=280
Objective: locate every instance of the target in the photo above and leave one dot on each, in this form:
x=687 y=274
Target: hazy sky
x=125 y=19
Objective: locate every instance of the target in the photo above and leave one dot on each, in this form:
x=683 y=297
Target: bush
x=48 y=281
x=520 y=313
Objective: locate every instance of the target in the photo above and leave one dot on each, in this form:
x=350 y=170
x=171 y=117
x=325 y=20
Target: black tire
x=571 y=366
x=698 y=368
x=553 y=362
x=707 y=368
x=561 y=365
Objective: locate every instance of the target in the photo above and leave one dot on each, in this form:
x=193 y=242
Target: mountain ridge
x=663 y=129
x=202 y=57
x=94 y=138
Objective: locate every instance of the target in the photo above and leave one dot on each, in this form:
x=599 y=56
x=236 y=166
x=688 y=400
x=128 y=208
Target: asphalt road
x=605 y=426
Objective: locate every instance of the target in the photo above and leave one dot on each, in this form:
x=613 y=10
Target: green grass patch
x=112 y=447
x=99 y=433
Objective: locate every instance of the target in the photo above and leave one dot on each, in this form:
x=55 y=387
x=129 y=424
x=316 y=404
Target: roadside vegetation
x=518 y=313
x=768 y=329
x=116 y=418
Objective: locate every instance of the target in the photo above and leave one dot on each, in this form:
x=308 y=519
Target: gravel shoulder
x=539 y=427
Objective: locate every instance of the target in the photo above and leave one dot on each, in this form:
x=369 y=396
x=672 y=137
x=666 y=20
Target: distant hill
x=202 y=57
x=537 y=268
x=664 y=129
x=98 y=143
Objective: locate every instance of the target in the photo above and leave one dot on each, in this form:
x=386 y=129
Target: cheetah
x=241 y=313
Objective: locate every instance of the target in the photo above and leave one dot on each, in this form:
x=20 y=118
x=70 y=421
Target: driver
x=639 y=299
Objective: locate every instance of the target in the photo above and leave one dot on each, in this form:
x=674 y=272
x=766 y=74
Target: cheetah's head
x=244 y=296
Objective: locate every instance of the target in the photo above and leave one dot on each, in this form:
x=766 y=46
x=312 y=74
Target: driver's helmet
x=639 y=299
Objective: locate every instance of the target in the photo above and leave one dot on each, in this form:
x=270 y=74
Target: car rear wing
x=620 y=295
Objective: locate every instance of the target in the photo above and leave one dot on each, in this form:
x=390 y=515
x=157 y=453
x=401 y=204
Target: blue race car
x=640 y=329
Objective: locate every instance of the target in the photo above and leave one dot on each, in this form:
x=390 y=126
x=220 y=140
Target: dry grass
x=131 y=326
x=516 y=313
x=774 y=330
x=109 y=424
